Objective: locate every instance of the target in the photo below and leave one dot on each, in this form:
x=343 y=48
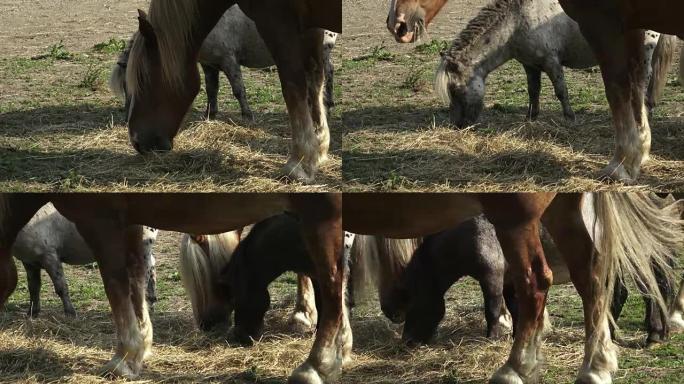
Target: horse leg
x=328 y=45
x=677 y=311
x=33 y=280
x=298 y=56
x=498 y=319
x=322 y=232
x=564 y=221
x=533 y=90
x=305 y=315
x=532 y=278
x=620 y=54
x=655 y=319
x=151 y=280
x=555 y=72
x=118 y=251
x=620 y=294
x=211 y=78
x=56 y=273
x=234 y=74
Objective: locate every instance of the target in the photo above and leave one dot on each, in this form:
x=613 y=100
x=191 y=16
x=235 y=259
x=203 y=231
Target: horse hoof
x=612 y=173
x=70 y=314
x=305 y=374
x=32 y=313
x=120 y=368
x=294 y=172
x=676 y=322
x=506 y=375
x=300 y=323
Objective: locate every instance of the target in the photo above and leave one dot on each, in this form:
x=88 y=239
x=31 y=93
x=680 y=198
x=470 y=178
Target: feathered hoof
x=506 y=375
x=120 y=368
x=294 y=172
x=305 y=374
x=616 y=173
x=593 y=378
x=300 y=323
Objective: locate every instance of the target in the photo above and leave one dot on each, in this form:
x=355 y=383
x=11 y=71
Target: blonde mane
x=173 y=23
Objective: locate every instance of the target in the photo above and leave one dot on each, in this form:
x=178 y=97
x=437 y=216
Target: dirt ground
x=397 y=133
x=55 y=349
x=61 y=128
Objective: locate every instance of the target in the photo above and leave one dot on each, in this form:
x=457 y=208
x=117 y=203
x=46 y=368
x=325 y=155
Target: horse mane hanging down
x=173 y=27
x=488 y=17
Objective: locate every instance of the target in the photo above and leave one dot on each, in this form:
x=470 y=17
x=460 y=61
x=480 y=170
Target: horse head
x=407 y=19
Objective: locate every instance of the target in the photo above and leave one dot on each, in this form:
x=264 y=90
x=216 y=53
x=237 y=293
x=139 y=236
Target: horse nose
x=155 y=144
x=401 y=29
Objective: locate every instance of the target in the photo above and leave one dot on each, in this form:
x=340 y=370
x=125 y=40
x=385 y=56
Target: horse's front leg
x=305 y=315
x=322 y=230
x=564 y=221
x=621 y=57
x=15 y=211
x=299 y=58
x=532 y=278
x=119 y=254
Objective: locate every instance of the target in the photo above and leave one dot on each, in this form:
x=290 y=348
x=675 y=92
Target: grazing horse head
x=407 y=19
x=161 y=77
x=463 y=88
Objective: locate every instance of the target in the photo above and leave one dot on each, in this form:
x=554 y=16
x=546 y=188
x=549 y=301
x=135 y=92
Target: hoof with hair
x=305 y=374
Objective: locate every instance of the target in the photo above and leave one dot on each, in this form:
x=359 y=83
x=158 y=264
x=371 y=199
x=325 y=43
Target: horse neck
x=432 y=9
x=491 y=49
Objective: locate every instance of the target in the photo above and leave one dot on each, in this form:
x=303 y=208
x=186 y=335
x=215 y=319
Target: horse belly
x=406 y=215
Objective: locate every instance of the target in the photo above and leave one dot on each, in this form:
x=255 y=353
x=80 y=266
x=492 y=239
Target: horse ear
x=146 y=29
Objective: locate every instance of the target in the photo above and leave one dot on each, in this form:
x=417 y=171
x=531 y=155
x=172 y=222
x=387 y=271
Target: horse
x=111 y=225
x=629 y=233
x=201 y=259
x=49 y=239
x=472 y=249
x=233 y=43
x=615 y=31
x=541 y=37
x=162 y=76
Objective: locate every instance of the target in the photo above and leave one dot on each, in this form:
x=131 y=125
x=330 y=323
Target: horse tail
x=200 y=271
x=635 y=235
x=442 y=79
x=378 y=262
x=117 y=81
x=661 y=62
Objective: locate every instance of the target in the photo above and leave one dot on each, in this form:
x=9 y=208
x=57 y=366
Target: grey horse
x=49 y=240
x=234 y=42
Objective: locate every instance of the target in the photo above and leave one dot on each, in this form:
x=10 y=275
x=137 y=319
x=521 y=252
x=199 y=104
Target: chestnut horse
x=627 y=228
x=111 y=224
x=163 y=78
x=615 y=32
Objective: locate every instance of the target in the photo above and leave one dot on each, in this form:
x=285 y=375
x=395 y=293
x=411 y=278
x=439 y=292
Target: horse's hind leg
x=33 y=280
x=53 y=267
x=564 y=221
x=322 y=232
x=118 y=251
x=328 y=45
x=234 y=73
x=305 y=315
x=620 y=294
x=656 y=320
x=211 y=79
x=533 y=90
x=555 y=72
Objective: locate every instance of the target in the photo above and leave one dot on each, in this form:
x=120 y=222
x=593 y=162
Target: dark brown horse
x=111 y=225
x=169 y=42
x=615 y=31
x=627 y=227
